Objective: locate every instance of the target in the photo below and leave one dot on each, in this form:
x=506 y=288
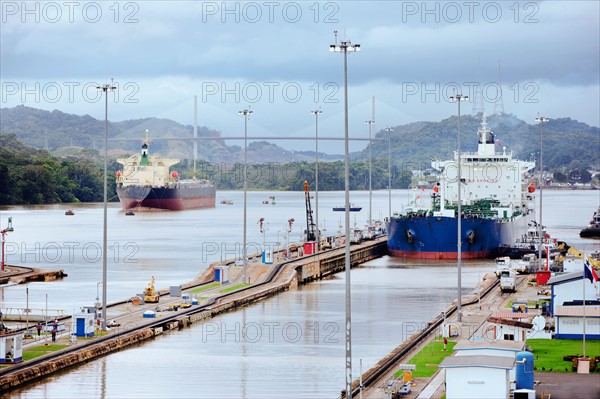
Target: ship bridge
x=486 y=175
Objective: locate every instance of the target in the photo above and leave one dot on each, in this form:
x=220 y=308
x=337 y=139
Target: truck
x=502 y=263
x=508 y=280
x=527 y=264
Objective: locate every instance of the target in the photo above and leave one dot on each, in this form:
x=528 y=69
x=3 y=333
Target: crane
x=311 y=228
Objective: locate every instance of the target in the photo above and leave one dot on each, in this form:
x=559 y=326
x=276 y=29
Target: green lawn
x=233 y=288
x=205 y=287
x=37 y=351
x=549 y=353
x=428 y=359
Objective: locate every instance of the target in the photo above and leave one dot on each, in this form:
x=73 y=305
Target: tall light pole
x=316 y=113
x=458 y=98
x=105 y=89
x=3 y=233
x=246 y=113
x=540 y=120
x=389 y=131
x=370 y=122
x=344 y=47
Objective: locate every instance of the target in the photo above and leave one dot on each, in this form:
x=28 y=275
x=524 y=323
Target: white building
x=478 y=377
x=509 y=330
x=569 y=322
x=11 y=347
x=568 y=287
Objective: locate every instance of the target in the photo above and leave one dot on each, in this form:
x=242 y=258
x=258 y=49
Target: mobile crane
x=150 y=295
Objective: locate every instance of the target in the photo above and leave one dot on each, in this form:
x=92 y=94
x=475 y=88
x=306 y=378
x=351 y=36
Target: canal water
x=288 y=345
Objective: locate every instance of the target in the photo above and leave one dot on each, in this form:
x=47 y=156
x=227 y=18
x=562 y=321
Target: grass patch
x=233 y=288
x=205 y=287
x=530 y=304
x=428 y=359
x=37 y=351
x=548 y=353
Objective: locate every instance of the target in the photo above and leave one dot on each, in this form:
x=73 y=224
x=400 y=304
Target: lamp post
x=263 y=231
x=3 y=232
x=344 y=47
x=540 y=120
x=246 y=113
x=105 y=89
x=316 y=113
x=389 y=130
x=370 y=122
x=458 y=98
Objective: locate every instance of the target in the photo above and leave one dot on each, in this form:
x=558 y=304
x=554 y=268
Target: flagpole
x=583 y=280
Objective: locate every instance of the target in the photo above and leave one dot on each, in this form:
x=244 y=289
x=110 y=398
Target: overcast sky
x=273 y=56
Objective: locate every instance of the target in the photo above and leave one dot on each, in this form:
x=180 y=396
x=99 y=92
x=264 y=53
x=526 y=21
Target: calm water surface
x=288 y=345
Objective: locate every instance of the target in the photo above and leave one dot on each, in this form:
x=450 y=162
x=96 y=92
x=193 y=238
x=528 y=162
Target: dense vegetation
x=291 y=176
x=32 y=176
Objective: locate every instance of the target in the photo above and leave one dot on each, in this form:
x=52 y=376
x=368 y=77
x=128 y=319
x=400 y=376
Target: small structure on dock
x=477 y=376
x=222 y=274
x=11 y=346
x=509 y=329
x=82 y=323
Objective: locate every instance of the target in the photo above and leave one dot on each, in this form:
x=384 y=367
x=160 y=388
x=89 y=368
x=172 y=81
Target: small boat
x=529 y=243
x=69 y=212
x=227 y=202
x=593 y=229
x=353 y=208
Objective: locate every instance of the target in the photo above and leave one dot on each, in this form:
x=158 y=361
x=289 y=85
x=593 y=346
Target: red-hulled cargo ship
x=146 y=183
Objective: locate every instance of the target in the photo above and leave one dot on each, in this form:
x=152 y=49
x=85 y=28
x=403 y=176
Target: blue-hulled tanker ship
x=496 y=202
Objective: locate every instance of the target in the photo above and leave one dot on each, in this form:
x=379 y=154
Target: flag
x=588 y=271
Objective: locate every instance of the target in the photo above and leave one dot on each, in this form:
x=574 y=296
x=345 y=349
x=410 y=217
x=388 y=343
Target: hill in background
x=568 y=144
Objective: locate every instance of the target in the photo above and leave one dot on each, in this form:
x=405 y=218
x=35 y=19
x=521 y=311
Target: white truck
x=508 y=280
x=527 y=264
x=502 y=263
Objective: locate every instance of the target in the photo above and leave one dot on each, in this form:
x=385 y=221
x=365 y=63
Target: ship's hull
x=143 y=198
x=590 y=232
x=436 y=237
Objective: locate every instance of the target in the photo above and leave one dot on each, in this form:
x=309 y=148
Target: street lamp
x=3 y=232
x=458 y=98
x=246 y=113
x=389 y=130
x=540 y=120
x=316 y=113
x=98 y=284
x=370 y=122
x=105 y=89
x=344 y=47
